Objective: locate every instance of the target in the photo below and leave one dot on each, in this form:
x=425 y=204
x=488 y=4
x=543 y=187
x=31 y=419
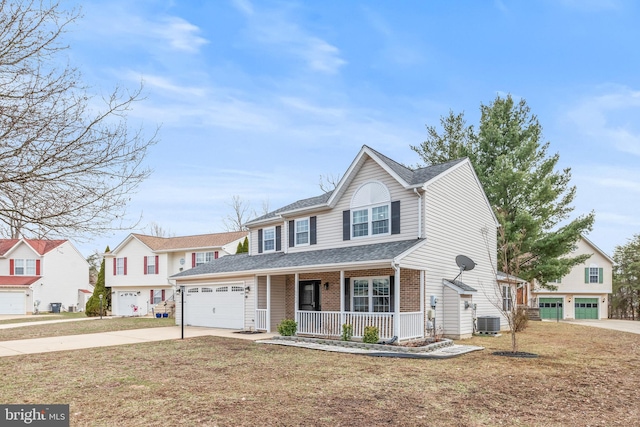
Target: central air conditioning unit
x=488 y=324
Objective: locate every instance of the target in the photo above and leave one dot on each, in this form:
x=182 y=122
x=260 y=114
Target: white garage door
x=127 y=304
x=12 y=303
x=219 y=306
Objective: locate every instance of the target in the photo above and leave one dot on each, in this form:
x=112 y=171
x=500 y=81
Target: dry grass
x=583 y=377
x=82 y=327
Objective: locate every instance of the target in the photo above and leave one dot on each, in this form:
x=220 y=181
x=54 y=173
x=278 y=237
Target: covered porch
x=385 y=296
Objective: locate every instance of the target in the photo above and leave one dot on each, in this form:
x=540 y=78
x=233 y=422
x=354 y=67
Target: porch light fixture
x=248 y=289
x=326 y=285
x=138 y=292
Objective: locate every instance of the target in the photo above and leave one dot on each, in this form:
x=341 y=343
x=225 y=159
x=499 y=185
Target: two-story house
x=584 y=292
x=380 y=250
x=34 y=274
x=138 y=269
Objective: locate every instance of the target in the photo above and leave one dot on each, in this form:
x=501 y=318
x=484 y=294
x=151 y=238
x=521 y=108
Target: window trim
x=370 y=295
x=507 y=298
x=592 y=276
x=151 y=265
x=265 y=240
x=370 y=220
x=206 y=257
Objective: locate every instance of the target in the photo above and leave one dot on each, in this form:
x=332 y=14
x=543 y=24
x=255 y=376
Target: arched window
x=371 y=210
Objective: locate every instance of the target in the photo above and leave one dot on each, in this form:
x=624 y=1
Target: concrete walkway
x=45 y=321
x=107 y=339
x=614 y=324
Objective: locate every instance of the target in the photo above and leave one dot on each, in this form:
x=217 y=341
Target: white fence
x=261 y=319
x=329 y=323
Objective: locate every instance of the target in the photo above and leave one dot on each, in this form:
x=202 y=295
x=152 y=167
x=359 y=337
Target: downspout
x=415 y=190
x=396 y=299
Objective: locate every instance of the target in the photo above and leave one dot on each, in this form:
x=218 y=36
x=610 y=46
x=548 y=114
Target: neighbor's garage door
x=586 y=308
x=12 y=303
x=550 y=308
x=215 y=306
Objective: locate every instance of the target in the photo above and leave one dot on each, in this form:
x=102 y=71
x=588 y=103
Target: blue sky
x=260 y=98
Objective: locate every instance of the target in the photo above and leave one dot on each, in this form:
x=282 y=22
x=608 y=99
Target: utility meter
x=434 y=301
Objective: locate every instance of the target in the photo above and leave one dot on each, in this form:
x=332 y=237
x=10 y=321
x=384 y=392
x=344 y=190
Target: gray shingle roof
x=461 y=285
x=279 y=260
x=411 y=176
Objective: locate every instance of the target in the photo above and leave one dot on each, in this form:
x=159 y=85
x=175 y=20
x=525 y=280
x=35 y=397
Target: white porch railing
x=411 y=325
x=261 y=319
x=329 y=323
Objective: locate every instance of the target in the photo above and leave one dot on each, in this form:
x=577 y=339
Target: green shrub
x=287 y=328
x=347 y=332
x=370 y=335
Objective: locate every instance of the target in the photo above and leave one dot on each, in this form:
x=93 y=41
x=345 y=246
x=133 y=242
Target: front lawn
x=82 y=327
x=584 y=376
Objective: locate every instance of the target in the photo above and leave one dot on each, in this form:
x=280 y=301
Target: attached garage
x=214 y=306
x=551 y=308
x=127 y=304
x=13 y=302
x=586 y=308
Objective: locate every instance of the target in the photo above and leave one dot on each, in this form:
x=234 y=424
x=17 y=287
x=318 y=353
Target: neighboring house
x=584 y=292
x=34 y=274
x=374 y=251
x=83 y=297
x=138 y=269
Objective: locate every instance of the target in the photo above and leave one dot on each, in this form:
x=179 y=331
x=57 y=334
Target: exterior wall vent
x=488 y=325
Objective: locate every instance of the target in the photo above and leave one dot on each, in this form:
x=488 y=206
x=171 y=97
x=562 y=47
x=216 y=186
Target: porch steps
x=165 y=307
x=533 y=313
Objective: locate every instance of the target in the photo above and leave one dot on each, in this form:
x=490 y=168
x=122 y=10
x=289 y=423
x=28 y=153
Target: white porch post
x=268 y=303
x=422 y=280
x=396 y=305
x=296 y=292
x=342 y=296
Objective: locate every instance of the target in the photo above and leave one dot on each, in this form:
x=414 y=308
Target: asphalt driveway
x=614 y=324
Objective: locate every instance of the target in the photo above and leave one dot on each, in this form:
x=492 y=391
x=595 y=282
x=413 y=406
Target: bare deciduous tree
x=242 y=214
x=329 y=182
x=155 y=229
x=66 y=169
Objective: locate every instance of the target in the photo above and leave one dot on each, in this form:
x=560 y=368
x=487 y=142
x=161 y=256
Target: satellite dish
x=465 y=263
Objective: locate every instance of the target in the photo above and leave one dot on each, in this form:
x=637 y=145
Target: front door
x=309 y=296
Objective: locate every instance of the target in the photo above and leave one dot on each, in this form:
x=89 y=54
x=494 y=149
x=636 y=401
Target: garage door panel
x=586 y=308
x=551 y=308
x=12 y=303
x=215 y=306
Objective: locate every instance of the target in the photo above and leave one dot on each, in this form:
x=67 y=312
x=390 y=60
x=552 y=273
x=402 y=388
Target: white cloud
x=277 y=29
x=181 y=35
x=244 y=6
x=610 y=119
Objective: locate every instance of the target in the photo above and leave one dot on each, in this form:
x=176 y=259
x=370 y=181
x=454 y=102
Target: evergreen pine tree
x=92 y=308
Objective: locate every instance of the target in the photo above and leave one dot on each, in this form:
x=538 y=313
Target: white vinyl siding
x=454 y=199
x=329 y=232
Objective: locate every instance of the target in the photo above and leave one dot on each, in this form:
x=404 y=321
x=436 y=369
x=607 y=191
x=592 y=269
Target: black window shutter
x=346 y=225
x=395 y=217
x=313 y=237
x=292 y=234
x=392 y=294
x=347 y=294
x=278 y=237
x=260 y=241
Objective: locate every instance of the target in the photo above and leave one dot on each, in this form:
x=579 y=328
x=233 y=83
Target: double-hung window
x=506 y=298
x=203 y=258
x=593 y=275
x=302 y=232
x=120 y=263
x=371 y=221
x=18 y=267
x=151 y=265
x=269 y=239
x=157 y=297
x=372 y=294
